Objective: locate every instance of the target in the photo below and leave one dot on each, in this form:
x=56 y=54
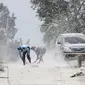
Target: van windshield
x=74 y=40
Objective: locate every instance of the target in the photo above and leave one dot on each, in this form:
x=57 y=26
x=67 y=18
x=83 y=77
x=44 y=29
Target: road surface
x=54 y=71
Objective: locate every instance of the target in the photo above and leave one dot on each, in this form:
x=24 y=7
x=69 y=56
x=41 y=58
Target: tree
x=76 y=15
x=7 y=32
x=60 y=16
x=11 y=31
x=48 y=10
x=7 y=24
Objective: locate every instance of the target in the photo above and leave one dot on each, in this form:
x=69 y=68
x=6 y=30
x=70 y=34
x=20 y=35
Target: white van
x=71 y=42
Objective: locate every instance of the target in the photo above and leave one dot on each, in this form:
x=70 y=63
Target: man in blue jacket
x=23 y=50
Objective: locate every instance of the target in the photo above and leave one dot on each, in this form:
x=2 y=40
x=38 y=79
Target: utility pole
x=7 y=39
x=7 y=30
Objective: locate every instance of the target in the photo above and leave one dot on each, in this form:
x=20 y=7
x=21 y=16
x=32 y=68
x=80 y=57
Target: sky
x=27 y=23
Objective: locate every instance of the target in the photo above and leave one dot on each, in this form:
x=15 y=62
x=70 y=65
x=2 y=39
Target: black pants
x=28 y=57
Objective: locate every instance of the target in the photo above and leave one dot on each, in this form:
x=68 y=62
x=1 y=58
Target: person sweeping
x=24 y=51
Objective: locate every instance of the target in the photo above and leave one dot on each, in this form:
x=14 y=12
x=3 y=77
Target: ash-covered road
x=54 y=71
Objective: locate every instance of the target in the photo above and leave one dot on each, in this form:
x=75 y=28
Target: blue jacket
x=24 y=48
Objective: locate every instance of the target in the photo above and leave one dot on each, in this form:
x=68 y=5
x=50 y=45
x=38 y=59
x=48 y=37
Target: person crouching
x=40 y=51
x=23 y=50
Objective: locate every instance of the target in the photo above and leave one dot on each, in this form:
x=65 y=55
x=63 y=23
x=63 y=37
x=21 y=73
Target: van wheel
x=66 y=56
